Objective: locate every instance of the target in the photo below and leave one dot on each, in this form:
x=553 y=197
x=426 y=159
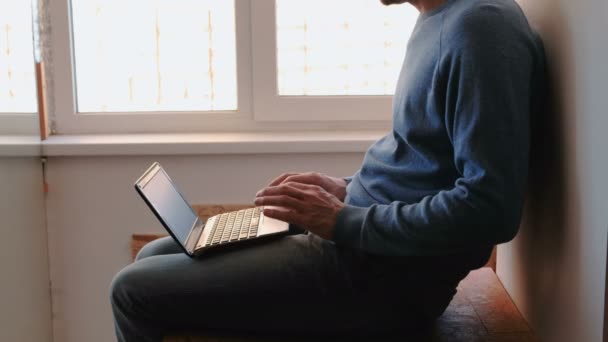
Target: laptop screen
x=170 y=205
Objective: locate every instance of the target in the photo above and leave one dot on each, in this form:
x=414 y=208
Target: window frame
x=270 y=106
x=66 y=120
x=260 y=108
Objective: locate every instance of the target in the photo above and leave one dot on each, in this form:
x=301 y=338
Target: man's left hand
x=305 y=205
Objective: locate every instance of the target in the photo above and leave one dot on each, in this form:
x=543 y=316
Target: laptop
x=194 y=235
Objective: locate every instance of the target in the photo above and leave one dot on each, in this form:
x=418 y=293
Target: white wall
x=93 y=210
x=25 y=306
x=555 y=269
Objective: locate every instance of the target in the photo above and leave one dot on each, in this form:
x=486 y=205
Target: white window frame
x=269 y=106
x=69 y=121
x=259 y=106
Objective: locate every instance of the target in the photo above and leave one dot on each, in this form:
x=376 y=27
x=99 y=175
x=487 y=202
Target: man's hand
x=333 y=185
x=308 y=206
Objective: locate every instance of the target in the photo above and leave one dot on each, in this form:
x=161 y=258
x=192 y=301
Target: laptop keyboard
x=234 y=226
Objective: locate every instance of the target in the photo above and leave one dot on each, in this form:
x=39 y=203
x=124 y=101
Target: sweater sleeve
x=483 y=87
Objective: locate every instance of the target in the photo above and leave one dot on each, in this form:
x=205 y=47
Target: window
x=241 y=65
x=18 y=103
x=339 y=47
x=146 y=56
x=328 y=60
x=18 y=80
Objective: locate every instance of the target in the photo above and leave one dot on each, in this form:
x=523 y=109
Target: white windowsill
x=209 y=143
x=19 y=145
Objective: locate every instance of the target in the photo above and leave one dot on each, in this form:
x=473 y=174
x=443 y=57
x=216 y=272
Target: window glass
x=154 y=55
x=17 y=68
x=341 y=47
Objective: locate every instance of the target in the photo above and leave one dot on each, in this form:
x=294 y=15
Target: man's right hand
x=333 y=185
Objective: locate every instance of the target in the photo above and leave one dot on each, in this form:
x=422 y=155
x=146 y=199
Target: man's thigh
x=298 y=283
x=167 y=245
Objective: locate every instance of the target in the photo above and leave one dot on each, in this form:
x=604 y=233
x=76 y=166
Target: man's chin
x=392 y=2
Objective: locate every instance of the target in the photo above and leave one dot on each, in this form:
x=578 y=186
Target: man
x=387 y=246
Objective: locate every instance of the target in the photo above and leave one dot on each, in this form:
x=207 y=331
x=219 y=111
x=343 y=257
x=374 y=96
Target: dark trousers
x=297 y=285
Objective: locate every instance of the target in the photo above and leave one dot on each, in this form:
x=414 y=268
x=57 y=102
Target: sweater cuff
x=349 y=226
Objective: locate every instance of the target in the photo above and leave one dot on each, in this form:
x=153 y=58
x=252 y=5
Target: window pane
x=341 y=47
x=154 y=55
x=17 y=68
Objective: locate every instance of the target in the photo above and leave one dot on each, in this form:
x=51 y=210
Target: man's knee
x=134 y=314
x=126 y=288
x=120 y=288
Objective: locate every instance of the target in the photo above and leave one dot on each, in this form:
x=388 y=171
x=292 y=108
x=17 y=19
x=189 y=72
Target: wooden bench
x=481 y=311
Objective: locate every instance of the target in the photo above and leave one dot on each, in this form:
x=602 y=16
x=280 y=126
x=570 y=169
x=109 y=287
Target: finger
x=308 y=193
x=281 y=178
x=279 y=201
x=304 y=178
x=304 y=187
x=292 y=190
x=289 y=216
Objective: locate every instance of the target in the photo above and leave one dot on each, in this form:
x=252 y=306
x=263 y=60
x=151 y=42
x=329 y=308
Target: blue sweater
x=451 y=176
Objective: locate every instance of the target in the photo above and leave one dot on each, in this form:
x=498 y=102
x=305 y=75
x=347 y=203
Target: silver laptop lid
x=161 y=195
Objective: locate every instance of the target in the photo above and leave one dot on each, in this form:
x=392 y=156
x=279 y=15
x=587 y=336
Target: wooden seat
x=482 y=311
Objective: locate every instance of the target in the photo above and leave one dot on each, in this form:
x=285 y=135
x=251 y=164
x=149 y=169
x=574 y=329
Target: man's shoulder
x=472 y=11
x=470 y=22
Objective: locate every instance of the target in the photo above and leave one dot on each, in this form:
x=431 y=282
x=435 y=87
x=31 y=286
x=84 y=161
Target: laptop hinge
x=195 y=235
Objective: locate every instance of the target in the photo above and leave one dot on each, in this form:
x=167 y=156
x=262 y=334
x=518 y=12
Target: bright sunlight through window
x=154 y=55
x=341 y=47
x=17 y=68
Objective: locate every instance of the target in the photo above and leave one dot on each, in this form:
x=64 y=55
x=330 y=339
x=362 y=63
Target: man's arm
x=487 y=112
